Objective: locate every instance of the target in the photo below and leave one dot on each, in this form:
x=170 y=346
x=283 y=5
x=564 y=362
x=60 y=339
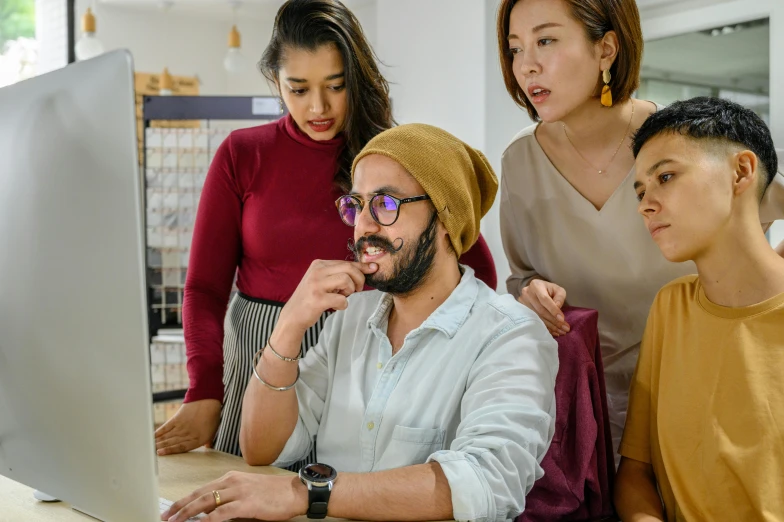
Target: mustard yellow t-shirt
x=706 y=408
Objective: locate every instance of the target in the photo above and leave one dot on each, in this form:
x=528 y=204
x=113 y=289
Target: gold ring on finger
x=216 y=496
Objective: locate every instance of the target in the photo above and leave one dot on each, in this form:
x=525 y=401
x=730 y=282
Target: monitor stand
x=43 y=497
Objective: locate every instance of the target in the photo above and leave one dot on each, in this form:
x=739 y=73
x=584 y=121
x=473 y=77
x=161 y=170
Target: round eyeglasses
x=384 y=208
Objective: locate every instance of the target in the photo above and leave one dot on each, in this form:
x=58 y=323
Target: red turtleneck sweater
x=266 y=212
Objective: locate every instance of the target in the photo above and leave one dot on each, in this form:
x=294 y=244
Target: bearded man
x=429 y=398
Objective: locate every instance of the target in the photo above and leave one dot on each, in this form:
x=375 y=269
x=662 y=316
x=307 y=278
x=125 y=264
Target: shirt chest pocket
x=409 y=446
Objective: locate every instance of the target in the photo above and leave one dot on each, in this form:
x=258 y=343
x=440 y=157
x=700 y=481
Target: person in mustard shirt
x=703 y=437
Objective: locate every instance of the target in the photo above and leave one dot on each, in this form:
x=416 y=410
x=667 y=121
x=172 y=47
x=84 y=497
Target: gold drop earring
x=607 y=100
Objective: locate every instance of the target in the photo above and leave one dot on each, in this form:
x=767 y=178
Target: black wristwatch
x=319 y=479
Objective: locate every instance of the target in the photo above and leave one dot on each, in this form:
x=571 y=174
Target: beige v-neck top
x=604 y=259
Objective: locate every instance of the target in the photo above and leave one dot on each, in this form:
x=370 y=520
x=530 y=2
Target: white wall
x=188 y=45
x=442 y=62
x=50 y=31
x=367 y=14
x=434 y=56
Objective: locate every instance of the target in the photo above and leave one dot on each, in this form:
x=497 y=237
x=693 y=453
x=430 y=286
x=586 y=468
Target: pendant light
x=88 y=45
x=234 y=62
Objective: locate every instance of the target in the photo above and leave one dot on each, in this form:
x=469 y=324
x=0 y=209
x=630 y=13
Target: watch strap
x=318 y=498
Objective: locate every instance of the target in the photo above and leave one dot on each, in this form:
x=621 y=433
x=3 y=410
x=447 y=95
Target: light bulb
x=88 y=45
x=234 y=62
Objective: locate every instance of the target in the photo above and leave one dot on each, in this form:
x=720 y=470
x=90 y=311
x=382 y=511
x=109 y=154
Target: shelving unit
x=175 y=165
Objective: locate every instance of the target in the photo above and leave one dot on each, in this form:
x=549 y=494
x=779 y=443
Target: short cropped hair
x=597 y=17
x=717 y=120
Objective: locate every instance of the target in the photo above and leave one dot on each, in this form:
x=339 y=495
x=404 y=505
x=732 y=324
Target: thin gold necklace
x=629 y=126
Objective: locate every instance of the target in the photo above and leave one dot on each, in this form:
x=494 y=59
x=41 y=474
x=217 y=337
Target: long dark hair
x=309 y=24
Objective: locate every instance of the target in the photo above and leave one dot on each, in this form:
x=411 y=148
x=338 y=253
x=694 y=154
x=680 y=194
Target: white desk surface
x=179 y=475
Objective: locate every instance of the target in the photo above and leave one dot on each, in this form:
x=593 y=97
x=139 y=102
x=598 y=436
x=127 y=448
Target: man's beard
x=412 y=264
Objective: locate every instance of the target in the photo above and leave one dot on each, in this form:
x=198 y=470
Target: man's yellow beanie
x=458 y=178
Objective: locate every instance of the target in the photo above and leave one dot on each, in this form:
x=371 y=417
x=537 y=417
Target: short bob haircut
x=597 y=17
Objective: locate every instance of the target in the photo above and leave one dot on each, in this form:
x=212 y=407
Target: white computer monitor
x=75 y=397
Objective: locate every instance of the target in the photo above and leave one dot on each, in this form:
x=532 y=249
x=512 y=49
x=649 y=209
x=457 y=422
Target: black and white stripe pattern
x=248 y=326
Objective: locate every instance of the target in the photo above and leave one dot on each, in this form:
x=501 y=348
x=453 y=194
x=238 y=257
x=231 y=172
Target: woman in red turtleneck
x=267 y=211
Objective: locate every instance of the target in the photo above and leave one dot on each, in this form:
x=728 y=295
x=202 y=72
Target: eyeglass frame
x=398 y=201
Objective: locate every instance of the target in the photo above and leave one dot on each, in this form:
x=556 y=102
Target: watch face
x=318 y=473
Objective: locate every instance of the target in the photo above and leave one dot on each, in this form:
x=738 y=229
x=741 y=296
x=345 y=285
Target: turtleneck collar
x=290 y=127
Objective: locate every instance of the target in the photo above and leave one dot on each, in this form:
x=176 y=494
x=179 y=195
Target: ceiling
x=738 y=57
x=649 y=8
x=647 y=4
x=267 y=8
x=216 y=9
x=732 y=57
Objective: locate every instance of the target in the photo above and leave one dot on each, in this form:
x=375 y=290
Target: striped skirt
x=248 y=326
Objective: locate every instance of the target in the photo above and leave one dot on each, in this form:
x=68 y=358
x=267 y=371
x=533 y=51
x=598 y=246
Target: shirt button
x=370 y=425
x=379 y=366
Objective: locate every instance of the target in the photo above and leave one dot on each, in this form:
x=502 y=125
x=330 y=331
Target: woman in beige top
x=569 y=218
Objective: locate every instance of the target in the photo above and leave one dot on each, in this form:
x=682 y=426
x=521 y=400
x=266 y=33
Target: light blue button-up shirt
x=472 y=388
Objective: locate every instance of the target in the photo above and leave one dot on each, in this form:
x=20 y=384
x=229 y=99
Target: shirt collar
x=448 y=318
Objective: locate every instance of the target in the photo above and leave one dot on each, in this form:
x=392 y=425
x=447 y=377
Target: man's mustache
x=374 y=241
